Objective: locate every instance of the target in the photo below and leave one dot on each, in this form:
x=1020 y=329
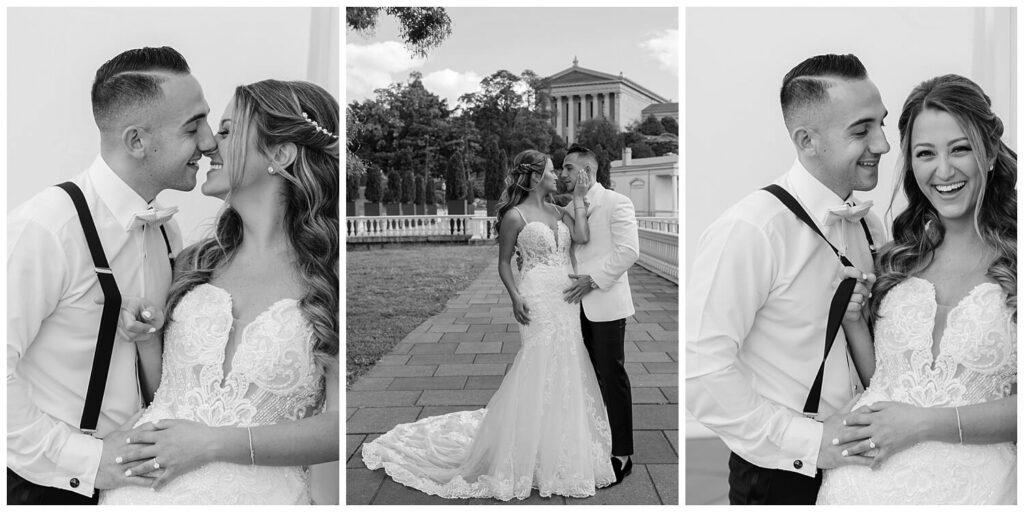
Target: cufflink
x=798 y=463
x=74 y=482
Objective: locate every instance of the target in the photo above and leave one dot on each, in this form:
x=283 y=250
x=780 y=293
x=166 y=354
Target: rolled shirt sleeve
x=731 y=278
x=40 y=448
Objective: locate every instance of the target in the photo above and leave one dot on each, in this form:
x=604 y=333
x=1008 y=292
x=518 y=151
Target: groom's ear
x=284 y=155
x=133 y=141
x=803 y=139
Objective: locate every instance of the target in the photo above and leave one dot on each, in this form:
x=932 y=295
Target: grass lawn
x=391 y=291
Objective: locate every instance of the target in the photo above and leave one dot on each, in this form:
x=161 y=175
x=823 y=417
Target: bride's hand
x=583 y=183
x=139 y=319
x=521 y=311
x=170 y=448
x=888 y=427
x=861 y=292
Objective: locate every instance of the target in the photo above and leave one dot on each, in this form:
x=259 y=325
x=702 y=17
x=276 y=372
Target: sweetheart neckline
x=936 y=350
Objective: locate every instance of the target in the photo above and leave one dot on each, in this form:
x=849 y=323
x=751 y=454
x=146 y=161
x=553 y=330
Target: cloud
x=450 y=84
x=376 y=65
x=664 y=47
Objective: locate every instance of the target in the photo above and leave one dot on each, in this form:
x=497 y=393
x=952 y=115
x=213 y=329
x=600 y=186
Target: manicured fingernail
x=152 y=330
x=119 y=460
x=127 y=440
x=127 y=472
x=844 y=423
x=846 y=453
x=835 y=441
x=147 y=315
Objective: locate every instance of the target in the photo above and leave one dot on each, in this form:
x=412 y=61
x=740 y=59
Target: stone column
x=573 y=116
x=604 y=105
x=618 y=108
x=553 y=105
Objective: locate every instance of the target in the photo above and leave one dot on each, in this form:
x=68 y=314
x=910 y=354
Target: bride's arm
x=511 y=225
x=858 y=334
x=894 y=426
x=179 y=446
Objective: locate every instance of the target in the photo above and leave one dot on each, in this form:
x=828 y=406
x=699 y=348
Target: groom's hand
x=139 y=319
x=110 y=474
x=834 y=453
x=581 y=285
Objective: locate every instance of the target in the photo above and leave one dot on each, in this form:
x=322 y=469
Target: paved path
x=456 y=360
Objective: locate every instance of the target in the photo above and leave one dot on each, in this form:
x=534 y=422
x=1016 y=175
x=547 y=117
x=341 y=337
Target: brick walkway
x=455 y=361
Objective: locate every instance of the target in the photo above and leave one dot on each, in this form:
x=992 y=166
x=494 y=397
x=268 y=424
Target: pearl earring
x=270 y=170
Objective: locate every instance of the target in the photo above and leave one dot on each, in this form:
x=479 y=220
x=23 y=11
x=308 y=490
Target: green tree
x=393 y=194
x=455 y=186
x=601 y=132
x=408 y=187
x=651 y=126
x=422 y=28
x=641 y=150
x=671 y=125
x=431 y=192
x=351 y=187
x=374 y=185
x=495 y=172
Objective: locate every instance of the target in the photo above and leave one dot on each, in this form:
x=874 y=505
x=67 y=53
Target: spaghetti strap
x=521 y=216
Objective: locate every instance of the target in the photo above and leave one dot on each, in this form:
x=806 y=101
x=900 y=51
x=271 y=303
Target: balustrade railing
x=402 y=226
x=659 y=246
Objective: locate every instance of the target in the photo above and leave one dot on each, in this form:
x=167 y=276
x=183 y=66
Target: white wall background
x=735 y=60
x=53 y=54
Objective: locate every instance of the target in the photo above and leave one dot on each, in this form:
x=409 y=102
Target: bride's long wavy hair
x=918 y=230
x=274 y=109
x=518 y=181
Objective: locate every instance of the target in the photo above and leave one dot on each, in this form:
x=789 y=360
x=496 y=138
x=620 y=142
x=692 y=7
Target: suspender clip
x=104 y=270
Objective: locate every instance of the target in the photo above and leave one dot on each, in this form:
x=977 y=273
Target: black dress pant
x=754 y=485
x=23 y=492
x=604 y=342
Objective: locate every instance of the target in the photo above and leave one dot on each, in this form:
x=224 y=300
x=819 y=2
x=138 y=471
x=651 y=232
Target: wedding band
x=863 y=277
x=156 y=465
x=871 y=443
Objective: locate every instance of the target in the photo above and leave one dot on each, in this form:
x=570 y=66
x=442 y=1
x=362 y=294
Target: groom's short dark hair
x=582 y=152
x=808 y=83
x=132 y=78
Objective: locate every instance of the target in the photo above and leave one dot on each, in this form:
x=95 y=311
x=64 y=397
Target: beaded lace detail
x=976 y=363
x=272 y=379
x=545 y=428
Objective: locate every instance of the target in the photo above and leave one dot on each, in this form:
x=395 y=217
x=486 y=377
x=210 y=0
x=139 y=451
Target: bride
x=546 y=426
x=939 y=416
x=248 y=396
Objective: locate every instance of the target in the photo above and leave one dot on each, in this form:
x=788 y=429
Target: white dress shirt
x=614 y=246
x=53 y=321
x=756 y=309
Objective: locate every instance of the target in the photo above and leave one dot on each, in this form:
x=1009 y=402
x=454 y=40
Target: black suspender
x=111 y=308
x=839 y=301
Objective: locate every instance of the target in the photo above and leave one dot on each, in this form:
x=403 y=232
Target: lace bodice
x=272 y=379
x=977 y=358
x=976 y=362
x=540 y=245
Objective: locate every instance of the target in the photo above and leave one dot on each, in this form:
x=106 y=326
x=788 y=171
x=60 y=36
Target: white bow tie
x=848 y=212
x=152 y=217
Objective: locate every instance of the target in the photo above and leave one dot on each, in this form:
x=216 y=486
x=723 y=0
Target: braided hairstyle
x=518 y=179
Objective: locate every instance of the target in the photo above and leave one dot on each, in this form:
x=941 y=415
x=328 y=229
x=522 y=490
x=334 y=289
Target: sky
x=642 y=43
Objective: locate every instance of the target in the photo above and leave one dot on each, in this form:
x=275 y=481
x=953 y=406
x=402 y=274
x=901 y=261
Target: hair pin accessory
x=319 y=128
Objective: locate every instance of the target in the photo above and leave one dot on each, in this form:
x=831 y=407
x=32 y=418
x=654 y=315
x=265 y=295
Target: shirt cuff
x=80 y=458
x=800 y=446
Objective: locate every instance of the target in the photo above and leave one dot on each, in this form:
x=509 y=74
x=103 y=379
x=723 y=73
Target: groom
x=603 y=287
x=151 y=115
x=760 y=290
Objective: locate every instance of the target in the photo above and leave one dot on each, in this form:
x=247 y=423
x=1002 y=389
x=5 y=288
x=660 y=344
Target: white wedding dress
x=544 y=428
x=976 y=363
x=272 y=379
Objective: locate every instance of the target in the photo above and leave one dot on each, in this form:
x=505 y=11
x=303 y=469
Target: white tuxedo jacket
x=613 y=247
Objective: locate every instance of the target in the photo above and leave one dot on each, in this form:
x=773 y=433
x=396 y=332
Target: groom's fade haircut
x=582 y=152
x=132 y=79
x=807 y=84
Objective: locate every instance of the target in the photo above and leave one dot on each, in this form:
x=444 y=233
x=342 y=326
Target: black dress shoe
x=621 y=471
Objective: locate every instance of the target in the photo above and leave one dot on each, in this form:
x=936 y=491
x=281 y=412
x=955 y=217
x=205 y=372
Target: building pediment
x=577 y=76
